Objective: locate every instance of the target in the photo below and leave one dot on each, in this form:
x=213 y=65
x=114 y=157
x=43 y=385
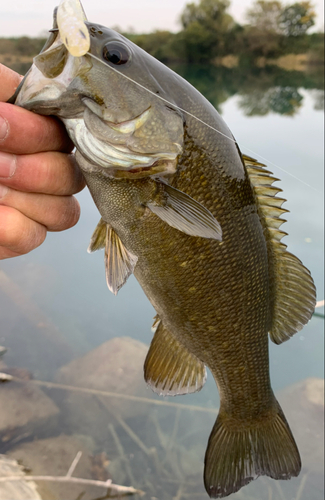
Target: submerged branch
x=126 y=490
x=301 y=486
x=74 y=464
x=114 y=488
x=129 y=397
x=121 y=452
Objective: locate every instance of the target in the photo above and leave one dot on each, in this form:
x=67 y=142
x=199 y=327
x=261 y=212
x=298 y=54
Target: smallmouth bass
x=198 y=225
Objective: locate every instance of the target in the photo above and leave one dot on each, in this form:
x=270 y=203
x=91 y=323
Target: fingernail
x=3 y=191
x=7 y=164
x=4 y=128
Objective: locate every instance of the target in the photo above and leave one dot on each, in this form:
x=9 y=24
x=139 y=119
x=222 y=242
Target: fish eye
x=116 y=53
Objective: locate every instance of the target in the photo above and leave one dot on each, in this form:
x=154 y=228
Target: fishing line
x=161 y=98
x=201 y=121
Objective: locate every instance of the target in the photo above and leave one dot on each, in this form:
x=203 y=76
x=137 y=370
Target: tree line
x=209 y=32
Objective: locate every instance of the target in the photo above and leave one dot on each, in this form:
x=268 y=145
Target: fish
x=198 y=224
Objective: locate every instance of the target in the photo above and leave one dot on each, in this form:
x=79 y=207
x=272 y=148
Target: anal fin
x=170 y=369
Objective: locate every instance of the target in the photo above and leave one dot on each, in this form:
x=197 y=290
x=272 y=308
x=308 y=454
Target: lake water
x=55 y=307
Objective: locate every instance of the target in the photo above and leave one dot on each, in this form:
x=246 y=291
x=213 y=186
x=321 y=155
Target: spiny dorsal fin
x=292 y=286
x=170 y=369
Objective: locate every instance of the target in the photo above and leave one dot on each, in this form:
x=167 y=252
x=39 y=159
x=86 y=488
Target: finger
x=24 y=132
x=9 y=82
x=49 y=173
x=56 y=213
x=18 y=233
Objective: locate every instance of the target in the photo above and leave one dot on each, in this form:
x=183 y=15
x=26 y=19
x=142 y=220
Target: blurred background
x=144 y=16
x=76 y=352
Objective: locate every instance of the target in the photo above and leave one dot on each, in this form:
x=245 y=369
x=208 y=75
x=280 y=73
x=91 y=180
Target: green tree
x=206 y=26
x=265 y=16
x=211 y=14
x=297 y=18
x=263 y=33
x=29 y=46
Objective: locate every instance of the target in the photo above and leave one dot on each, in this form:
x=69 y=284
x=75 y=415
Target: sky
x=32 y=17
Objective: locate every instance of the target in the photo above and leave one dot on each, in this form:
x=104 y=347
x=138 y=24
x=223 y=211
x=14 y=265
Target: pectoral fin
x=119 y=262
x=184 y=213
x=170 y=369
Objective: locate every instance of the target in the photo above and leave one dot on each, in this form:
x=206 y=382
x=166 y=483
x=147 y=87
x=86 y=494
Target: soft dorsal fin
x=292 y=287
x=119 y=262
x=170 y=369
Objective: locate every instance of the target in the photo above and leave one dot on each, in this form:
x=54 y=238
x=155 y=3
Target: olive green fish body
x=198 y=225
x=204 y=291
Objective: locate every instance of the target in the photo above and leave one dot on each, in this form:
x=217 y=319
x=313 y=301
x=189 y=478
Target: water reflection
x=262 y=90
x=318 y=96
x=281 y=100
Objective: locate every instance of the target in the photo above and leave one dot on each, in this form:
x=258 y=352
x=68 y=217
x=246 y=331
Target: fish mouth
x=47 y=92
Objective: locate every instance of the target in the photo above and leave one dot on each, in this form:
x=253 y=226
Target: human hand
x=38 y=175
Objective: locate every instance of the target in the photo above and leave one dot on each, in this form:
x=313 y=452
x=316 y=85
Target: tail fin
x=234 y=458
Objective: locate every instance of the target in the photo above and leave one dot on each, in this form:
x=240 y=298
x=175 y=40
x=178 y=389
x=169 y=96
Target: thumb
x=9 y=81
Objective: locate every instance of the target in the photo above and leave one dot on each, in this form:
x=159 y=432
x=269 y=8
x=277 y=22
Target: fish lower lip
x=42 y=108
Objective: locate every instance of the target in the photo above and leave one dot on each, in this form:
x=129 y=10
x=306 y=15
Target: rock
x=303 y=406
x=25 y=410
x=53 y=457
x=314 y=391
x=115 y=366
x=17 y=490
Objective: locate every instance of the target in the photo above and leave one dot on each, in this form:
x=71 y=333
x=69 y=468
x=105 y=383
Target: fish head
x=113 y=102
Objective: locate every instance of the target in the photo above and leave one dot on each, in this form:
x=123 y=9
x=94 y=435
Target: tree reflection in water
x=281 y=100
x=261 y=90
